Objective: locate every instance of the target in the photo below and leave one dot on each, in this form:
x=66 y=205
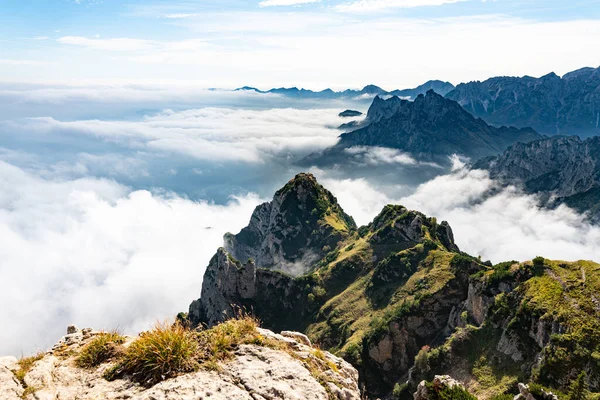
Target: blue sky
x=337 y=43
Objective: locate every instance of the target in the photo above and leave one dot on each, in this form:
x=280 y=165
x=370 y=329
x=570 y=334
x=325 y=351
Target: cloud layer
x=497 y=223
x=94 y=253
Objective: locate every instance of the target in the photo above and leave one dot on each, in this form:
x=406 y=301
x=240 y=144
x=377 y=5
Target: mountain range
x=430 y=127
x=563 y=169
x=550 y=104
x=369 y=90
x=400 y=301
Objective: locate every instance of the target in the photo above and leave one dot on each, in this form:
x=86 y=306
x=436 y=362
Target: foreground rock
x=254 y=373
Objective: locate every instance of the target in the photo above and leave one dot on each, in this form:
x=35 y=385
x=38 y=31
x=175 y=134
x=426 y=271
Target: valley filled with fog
x=114 y=194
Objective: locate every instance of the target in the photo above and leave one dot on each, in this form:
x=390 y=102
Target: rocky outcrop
x=301 y=224
x=230 y=288
x=550 y=104
x=430 y=127
x=566 y=168
x=440 y=382
x=525 y=394
x=254 y=373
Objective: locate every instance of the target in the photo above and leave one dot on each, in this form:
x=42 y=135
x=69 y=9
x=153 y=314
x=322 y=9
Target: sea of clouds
x=109 y=220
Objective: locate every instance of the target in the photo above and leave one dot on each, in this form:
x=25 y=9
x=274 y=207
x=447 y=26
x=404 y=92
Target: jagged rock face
x=527 y=320
x=226 y=282
x=383 y=109
x=301 y=224
x=229 y=288
x=254 y=373
x=566 y=167
x=432 y=126
x=550 y=104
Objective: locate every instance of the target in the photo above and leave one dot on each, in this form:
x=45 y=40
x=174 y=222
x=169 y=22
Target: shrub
x=400 y=390
x=579 y=388
x=503 y=397
x=101 y=348
x=164 y=352
x=421 y=359
x=446 y=393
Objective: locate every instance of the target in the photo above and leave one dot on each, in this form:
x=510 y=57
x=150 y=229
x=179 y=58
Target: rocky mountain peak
x=402 y=228
x=431 y=126
x=383 y=108
x=297 y=227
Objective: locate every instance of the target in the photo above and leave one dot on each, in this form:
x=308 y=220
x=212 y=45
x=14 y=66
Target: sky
x=310 y=43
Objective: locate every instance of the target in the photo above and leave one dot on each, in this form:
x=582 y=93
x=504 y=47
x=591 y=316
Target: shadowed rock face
x=565 y=167
x=301 y=224
x=431 y=126
x=550 y=104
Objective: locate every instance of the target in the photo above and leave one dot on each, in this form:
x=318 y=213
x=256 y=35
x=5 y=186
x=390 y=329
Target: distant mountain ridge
x=550 y=104
x=371 y=90
x=430 y=127
x=565 y=167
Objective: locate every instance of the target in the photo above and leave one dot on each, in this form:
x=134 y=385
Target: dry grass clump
x=25 y=365
x=164 y=352
x=102 y=348
x=217 y=343
x=170 y=350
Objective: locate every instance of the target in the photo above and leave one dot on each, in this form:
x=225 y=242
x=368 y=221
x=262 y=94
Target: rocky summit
x=551 y=105
x=274 y=367
x=400 y=301
x=563 y=169
x=301 y=224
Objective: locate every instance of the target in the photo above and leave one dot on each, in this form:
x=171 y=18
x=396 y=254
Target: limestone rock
x=300 y=337
x=525 y=394
x=10 y=387
x=255 y=373
x=440 y=382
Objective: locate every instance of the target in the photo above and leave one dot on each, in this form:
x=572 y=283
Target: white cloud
x=93 y=253
x=378 y=5
x=498 y=224
x=180 y=15
x=383 y=155
x=23 y=62
x=214 y=134
x=116 y=44
x=266 y=44
x=270 y=3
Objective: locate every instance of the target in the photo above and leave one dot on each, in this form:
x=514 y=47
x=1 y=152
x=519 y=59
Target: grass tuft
x=166 y=351
x=25 y=365
x=102 y=348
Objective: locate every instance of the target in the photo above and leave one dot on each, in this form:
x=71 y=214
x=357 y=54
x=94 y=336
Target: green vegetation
x=102 y=348
x=579 y=388
x=447 y=393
